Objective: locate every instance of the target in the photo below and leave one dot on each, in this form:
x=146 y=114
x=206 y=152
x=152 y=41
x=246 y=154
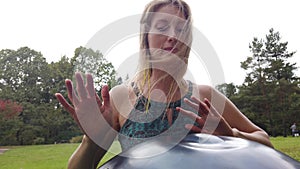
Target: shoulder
x=118 y=88
x=205 y=91
x=121 y=92
x=122 y=98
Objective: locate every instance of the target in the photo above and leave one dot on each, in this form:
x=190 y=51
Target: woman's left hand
x=209 y=119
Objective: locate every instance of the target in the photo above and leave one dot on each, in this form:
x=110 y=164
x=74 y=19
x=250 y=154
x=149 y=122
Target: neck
x=163 y=87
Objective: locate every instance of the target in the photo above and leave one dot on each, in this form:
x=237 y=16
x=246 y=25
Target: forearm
x=87 y=155
x=258 y=136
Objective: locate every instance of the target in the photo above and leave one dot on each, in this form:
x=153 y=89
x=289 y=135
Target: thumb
x=105 y=95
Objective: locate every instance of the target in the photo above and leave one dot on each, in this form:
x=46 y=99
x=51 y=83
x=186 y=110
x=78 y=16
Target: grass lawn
x=37 y=156
x=56 y=156
x=115 y=149
x=288 y=145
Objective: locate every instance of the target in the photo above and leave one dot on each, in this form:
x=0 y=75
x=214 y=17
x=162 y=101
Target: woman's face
x=168 y=32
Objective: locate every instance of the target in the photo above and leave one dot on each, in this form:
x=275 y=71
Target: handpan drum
x=201 y=151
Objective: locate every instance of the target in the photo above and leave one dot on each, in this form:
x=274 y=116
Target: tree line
x=30 y=113
x=270 y=93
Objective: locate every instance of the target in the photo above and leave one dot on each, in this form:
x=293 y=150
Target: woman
x=157 y=101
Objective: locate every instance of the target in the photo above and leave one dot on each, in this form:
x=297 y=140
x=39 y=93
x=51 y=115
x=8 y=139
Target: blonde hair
x=144 y=70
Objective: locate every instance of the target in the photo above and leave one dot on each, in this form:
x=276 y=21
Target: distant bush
x=76 y=139
x=38 y=140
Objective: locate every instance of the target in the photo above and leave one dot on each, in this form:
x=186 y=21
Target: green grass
x=37 y=157
x=114 y=149
x=288 y=145
x=56 y=156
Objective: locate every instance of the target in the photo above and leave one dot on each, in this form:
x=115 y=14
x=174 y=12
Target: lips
x=171 y=49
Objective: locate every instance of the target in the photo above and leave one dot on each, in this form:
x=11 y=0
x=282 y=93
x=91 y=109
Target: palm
x=92 y=115
x=210 y=121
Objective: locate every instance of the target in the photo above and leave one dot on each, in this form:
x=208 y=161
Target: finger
x=99 y=102
x=206 y=131
x=71 y=93
x=203 y=109
x=64 y=103
x=75 y=99
x=105 y=95
x=191 y=115
x=192 y=104
x=69 y=87
x=212 y=108
x=193 y=128
x=207 y=102
x=197 y=105
x=90 y=85
x=195 y=99
x=80 y=86
x=67 y=106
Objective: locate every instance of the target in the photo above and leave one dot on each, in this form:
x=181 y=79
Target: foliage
x=9 y=121
x=76 y=139
x=93 y=62
x=229 y=90
x=29 y=83
x=269 y=95
x=9 y=109
x=30 y=113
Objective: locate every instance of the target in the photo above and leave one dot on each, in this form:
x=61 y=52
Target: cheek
x=155 y=40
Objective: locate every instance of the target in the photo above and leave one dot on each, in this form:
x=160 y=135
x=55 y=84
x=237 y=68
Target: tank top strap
x=190 y=88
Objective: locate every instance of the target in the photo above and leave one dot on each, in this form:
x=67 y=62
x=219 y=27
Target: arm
x=219 y=116
x=240 y=125
x=96 y=119
x=258 y=136
x=87 y=155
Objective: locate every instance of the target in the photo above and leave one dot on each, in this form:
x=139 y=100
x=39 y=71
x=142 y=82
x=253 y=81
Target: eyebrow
x=162 y=20
x=168 y=21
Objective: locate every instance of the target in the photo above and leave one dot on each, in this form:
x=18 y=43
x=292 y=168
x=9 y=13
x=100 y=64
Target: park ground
x=55 y=156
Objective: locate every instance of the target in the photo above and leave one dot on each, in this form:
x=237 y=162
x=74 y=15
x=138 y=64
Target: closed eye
x=162 y=25
x=163 y=28
x=181 y=28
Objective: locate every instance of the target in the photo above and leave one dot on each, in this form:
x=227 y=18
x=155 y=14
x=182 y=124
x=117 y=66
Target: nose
x=171 y=39
x=172 y=36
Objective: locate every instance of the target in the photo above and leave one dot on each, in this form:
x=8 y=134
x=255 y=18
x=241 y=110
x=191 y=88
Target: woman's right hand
x=94 y=117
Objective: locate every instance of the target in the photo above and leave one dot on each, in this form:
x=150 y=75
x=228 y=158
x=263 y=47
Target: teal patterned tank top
x=142 y=125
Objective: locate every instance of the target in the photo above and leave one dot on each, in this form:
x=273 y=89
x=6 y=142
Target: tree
x=27 y=79
x=9 y=121
x=23 y=80
x=228 y=89
x=9 y=109
x=90 y=61
x=270 y=82
x=59 y=124
x=21 y=75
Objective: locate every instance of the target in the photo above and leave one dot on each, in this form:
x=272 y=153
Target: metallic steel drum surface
x=202 y=151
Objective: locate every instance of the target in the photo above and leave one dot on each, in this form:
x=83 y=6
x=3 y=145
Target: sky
x=56 y=28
